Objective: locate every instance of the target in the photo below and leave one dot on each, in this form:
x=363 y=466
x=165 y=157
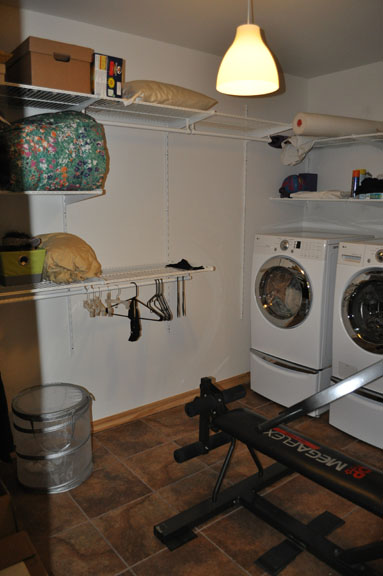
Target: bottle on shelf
x=363 y=175
x=354 y=182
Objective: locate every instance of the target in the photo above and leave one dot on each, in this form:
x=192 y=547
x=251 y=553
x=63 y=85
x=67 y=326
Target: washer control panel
x=310 y=248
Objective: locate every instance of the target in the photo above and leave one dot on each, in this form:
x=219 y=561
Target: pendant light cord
x=250 y=15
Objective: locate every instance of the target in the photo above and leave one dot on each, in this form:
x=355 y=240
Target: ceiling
x=308 y=37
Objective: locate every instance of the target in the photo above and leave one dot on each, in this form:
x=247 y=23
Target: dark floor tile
x=365 y=453
x=361 y=527
x=306 y=564
x=191 y=490
x=253 y=401
x=319 y=429
x=8 y=475
x=134 y=459
x=242 y=465
x=130 y=438
x=269 y=410
x=100 y=455
x=198 y=557
x=46 y=513
x=129 y=529
x=243 y=537
x=305 y=499
x=40 y=513
x=80 y=551
x=173 y=423
x=157 y=467
x=214 y=455
x=108 y=488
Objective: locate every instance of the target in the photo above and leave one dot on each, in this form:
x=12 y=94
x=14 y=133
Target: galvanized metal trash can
x=52 y=434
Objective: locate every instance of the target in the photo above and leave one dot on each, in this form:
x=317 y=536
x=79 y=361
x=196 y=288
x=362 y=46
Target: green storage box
x=21 y=267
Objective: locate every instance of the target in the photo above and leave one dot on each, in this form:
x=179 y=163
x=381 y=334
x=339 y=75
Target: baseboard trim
x=165 y=404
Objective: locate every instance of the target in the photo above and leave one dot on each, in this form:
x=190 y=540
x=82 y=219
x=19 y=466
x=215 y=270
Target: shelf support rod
x=243 y=229
x=142 y=127
x=78 y=291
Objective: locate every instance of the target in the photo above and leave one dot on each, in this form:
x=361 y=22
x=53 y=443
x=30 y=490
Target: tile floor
x=104 y=527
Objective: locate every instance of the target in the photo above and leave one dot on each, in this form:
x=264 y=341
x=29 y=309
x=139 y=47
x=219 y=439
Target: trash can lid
x=50 y=401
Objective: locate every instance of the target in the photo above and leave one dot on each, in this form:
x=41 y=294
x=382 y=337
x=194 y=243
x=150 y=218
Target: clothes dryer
x=292 y=294
x=358 y=337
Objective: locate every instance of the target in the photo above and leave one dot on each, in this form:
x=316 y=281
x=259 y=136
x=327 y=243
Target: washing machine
x=358 y=337
x=292 y=295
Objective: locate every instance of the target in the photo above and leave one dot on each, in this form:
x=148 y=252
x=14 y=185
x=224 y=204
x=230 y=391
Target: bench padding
x=341 y=474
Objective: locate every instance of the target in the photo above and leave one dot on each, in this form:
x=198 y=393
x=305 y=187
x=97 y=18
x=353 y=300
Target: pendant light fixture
x=248 y=67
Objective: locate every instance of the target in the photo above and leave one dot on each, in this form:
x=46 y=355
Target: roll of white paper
x=308 y=124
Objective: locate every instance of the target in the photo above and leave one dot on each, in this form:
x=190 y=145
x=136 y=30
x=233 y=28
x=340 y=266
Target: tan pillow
x=68 y=258
x=168 y=94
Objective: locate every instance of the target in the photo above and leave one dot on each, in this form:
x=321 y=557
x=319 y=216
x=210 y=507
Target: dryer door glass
x=362 y=310
x=283 y=292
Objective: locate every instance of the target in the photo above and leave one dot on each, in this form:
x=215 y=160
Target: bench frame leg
x=178 y=530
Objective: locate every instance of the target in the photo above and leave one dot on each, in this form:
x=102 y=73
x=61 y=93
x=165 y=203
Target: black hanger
x=136 y=301
x=135 y=316
x=135 y=321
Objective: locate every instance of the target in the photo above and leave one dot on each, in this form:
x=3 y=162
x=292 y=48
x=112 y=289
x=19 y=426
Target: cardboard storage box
x=107 y=76
x=21 y=266
x=17 y=551
x=41 y=62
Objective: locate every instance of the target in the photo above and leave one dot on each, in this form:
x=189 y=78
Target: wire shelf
x=242 y=127
x=112 y=278
x=23 y=96
x=70 y=196
x=138 y=114
x=348 y=140
x=144 y=114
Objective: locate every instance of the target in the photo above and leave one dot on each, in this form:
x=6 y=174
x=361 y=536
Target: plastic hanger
x=158 y=303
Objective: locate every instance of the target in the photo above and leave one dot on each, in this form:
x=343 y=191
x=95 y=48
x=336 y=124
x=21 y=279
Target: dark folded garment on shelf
x=184 y=265
x=370 y=185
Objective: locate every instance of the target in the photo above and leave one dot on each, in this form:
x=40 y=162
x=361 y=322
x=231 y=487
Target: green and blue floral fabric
x=54 y=151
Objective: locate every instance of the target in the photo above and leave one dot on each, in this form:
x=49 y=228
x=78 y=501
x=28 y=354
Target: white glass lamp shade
x=248 y=67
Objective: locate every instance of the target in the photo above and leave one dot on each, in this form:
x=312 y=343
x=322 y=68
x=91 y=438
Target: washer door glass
x=283 y=292
x=362 y=310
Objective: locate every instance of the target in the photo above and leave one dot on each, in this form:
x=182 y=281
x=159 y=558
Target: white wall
x=214 y=185
x=355 y=92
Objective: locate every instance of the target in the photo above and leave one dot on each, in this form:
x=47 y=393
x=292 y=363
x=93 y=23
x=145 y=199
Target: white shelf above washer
x=112 y=279
x=365 y=202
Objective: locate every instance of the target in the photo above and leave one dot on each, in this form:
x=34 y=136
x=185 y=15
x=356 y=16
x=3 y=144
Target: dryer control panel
x=366 y=254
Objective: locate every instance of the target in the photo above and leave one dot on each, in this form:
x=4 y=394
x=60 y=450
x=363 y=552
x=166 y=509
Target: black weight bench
x=293 y=452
